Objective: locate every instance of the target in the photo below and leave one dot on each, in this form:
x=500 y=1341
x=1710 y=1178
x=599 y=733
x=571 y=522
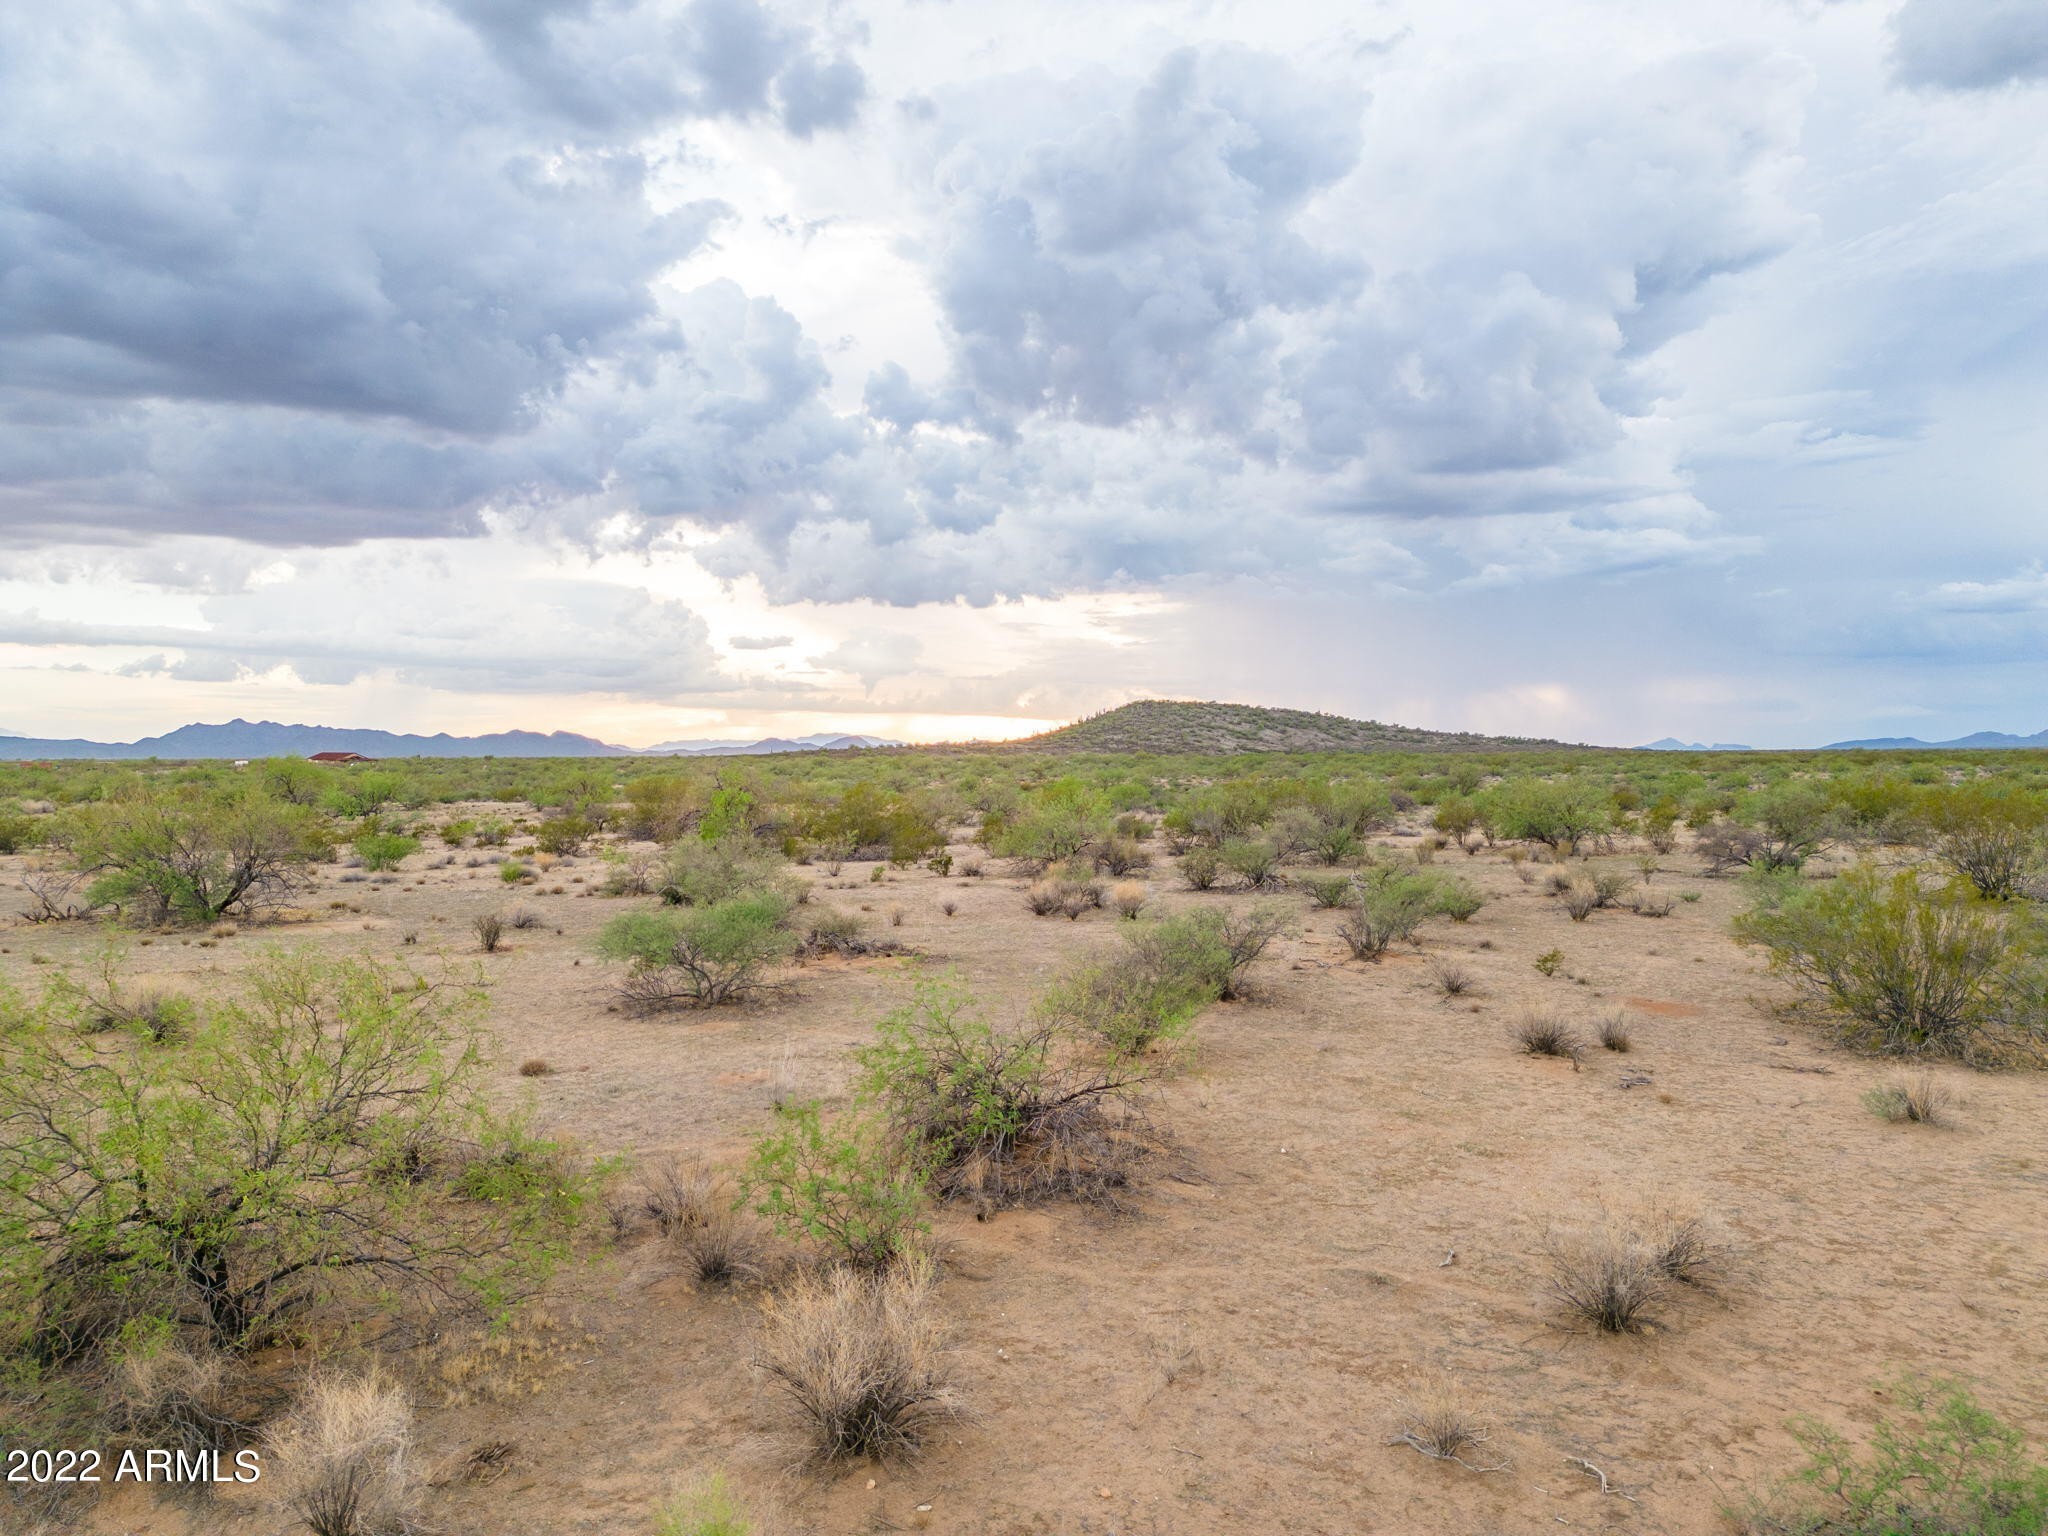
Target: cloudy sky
x=659 y=368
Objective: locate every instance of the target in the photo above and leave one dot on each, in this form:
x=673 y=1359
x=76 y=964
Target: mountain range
x=1673 y=744
x=1977 y=742
x=267 y=738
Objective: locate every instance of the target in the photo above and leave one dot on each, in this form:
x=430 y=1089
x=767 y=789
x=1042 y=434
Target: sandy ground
x=1230 y=1359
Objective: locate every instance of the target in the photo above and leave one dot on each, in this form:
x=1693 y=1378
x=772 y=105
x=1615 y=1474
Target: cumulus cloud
x=1969 y=45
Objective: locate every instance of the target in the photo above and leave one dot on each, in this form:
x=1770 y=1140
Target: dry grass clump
x=1043 y=897
x=162 y=1392
x=1614 y=1034
x=1613 y=1272
x=1580 y=901
x=696 y=1209
x=862 y=1359
x=1607 y=1276
x=1645 y=904
x=523 y=918
x=1434 y=1421
x=535 y=1066
x=1130 y=897
x=1543 y=1034
x=343 y=1457
x=1921 y=1102
x=1451 y=978
x=490 y=932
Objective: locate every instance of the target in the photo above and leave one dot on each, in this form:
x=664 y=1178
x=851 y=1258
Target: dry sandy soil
x=1229 y=1360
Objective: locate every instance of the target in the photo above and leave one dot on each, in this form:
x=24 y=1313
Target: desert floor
x=1230 y=1359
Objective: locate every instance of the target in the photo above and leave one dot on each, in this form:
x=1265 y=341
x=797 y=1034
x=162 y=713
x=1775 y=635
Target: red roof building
x=339 y=757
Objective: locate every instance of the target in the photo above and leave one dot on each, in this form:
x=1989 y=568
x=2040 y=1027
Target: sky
x=656 y=369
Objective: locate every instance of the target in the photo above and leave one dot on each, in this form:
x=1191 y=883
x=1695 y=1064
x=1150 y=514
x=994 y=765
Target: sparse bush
x=1387 y=906
x=1989 y=837
x=490 y=932
x=1903 y=970
x=1436 y=1422
x=697 y=1210
x=344 y=1457
x=999 y=1114
x=1147 y=992
x=522 y=918
x=855 y=1186
x=698 y=957
x=1043 y=898
x=535 y=1066
x=1614 y=1034
x=1550 y=962
x=1130 y=897
x=1579 y=900
x=1543 y=1034
x=1201 y=868
x=862 y=1358
x=162 y=1391
x=1326 y=891
x=1946 y=1467
x=1644 y=904
x=1255 y=861
x=1606 y=1276
x=1922 y=1102
x=1122 y=856
x=128 y=1190
x=627 y=873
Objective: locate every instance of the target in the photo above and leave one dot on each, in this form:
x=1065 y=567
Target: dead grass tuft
x=1921 y=1102
x=1607 y=1276
x=1543 y=1034
x=344 y=1457
x=1434 y=1421
x=862 y=1359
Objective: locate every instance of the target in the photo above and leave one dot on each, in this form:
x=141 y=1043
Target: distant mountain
x=266 y=738
x=1978 y=742
x=826 y=741
x=1169 y=725
x=1673 y=744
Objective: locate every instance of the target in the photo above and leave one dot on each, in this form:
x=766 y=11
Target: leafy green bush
x=1000 y=1114
x=1558 y=813
x=701 y=873
x=1201 y=868
x=698 y=957
x=1326 y=890
x=1254 y=860
x=1054 y=823
x=1988 y=836
x=17 y=832
x=1905 y=970
x=855 y=1186
x=1150 y=990
x=193 y=855
x=314 y=1141
x=1946 y=1466
x=563 y=834
x=1388 y=904
x=384 y=850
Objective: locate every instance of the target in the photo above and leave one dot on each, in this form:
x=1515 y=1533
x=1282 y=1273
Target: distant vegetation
x=1171 y=725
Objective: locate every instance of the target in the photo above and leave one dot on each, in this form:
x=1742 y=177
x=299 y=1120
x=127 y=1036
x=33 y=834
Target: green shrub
x=1326 y=890
x=1904 y=970
x=1388 y=905
x=1201 y=868
x=17 y=832
x=856 y=1186
x=563 y=834
x=1558 y=813
x=1255 y=861
x=999 y=1114
x=701 y=873
x=1458 y=899
x=190 y=854
x=1148 y=991
x=309 y=1144
x=512 y=871
x=698 y=957
x=1989 y=837
x=384 y=850
x=1945 y=1466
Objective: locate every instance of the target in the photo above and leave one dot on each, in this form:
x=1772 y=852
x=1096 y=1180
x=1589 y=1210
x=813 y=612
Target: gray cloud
x=762 y=642
x=1970 y=45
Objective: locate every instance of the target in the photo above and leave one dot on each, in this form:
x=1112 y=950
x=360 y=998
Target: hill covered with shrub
x=1188 y=726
